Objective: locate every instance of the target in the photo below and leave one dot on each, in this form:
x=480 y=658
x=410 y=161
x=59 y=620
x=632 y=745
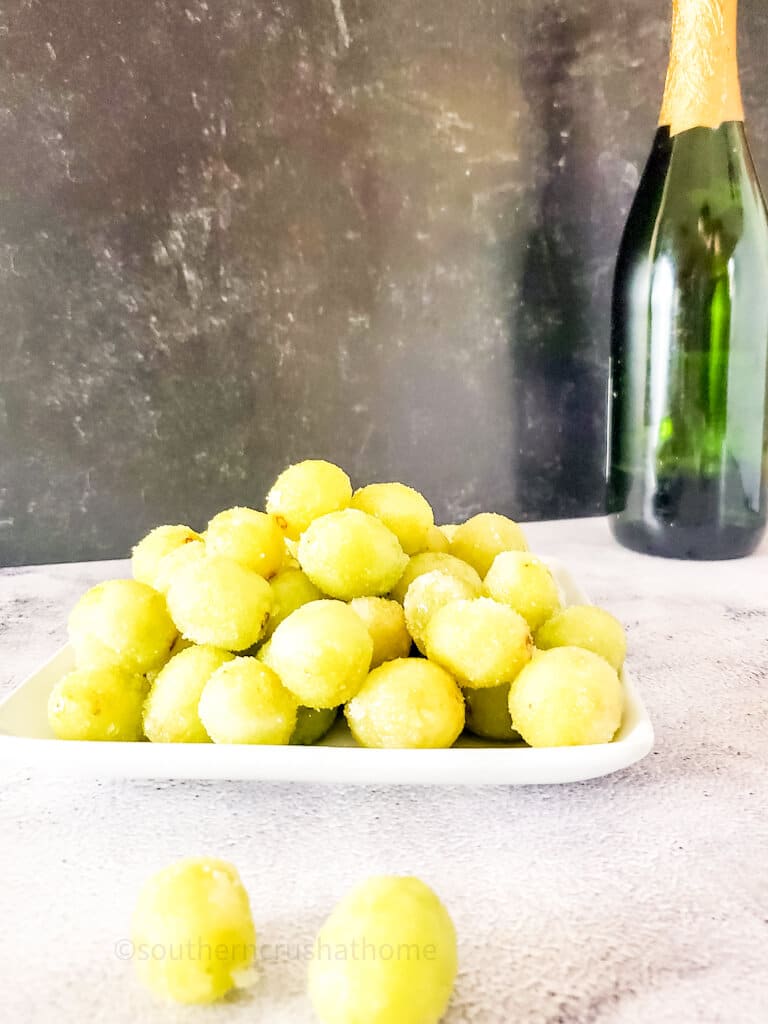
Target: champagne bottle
x=688 y=458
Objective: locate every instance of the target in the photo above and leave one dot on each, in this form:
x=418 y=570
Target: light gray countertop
x=640 y=897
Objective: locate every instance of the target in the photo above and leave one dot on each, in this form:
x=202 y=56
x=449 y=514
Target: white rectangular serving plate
x=26 y=741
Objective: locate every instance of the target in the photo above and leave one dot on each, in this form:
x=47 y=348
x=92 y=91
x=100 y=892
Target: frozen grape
x=407 y=703
x=566 y=697
x=291 y=588
x=322 y=653
x=249 y=537
x=524 y=583
x=351 y=554
x=312 y=724
x=304 y=492
x=428 y=561
x=480 y=642
x=403 y=510
x=124 y=623
x=428 y=593
x=97 y=704
x=484 y=536
x=488 y=713
x=449 y=531
x=155 y=546
x=193 y=931
x=170 y=711
x=385 y=622
x=586 y=626
x=291 y=560
x=245 y=702
x=219 y=602
x=386 y=955
x=436 y=540
x=170 y=564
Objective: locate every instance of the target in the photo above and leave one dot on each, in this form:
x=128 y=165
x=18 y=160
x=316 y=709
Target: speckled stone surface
x=636 y=898
x=237 y=234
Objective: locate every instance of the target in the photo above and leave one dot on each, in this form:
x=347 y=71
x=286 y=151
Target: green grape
x=249 y=537
x=403 y=510
x=351 y=554
x=304 y=492
x=484 y=536
x=449 y=531
x=245 y=702
x=322 y=653
x=428 y=593
x=385 y=622
x=523 y=582
x=155 y=546
x=386 y=955
x=170 y=564
x=481 y=643
x=407 y=703
x=192 y=931
x=589 y=627
x=97 y=704
x=180 y=644
x=436 y=540
x=170 y=711
x=121 y=623
x=566 y=697
x=312 y=724
x=428 y=561
x=291 y=588
x=291 y=560
x=219 y=602
x=488 y=713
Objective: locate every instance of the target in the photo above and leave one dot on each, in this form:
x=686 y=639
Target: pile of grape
x=260 y=629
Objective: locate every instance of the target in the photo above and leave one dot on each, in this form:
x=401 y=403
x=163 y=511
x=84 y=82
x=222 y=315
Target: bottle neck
x=702 y=88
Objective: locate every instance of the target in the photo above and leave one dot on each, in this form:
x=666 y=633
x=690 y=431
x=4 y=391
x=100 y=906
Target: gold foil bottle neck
x=702 y=88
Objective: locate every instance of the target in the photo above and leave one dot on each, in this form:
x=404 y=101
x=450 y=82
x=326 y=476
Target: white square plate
x=27 y=741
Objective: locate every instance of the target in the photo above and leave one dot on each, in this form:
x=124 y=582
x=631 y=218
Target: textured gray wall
x=237 y=234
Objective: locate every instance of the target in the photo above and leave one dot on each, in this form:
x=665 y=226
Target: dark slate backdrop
x=233 y=235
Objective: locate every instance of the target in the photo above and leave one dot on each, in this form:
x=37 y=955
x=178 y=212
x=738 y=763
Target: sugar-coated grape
x=312 y=724
x=436 y=540
x=291 y=560
x=322 y=653
x=291 y=588
x=351 y=554
x=480 y=642
x=305 y=491
x=170 y=564
x=589 y=627
x=124 y=623
x=407 y=513
x=245 y=702
x=249 y=537
x=566 y=696
x=484 y=536
x=192 y=931
x=386 y=955
x=97 y=704
x=217 y=601
x=428 y=593
x=488 y=713
x=170 y=711
x=407 y=703
x=525 y=583
x=159 y=542
x=428 y=561
x=385 y=622
x=448 y=530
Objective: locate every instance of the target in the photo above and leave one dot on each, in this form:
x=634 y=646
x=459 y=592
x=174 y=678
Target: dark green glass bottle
x=689 y=361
